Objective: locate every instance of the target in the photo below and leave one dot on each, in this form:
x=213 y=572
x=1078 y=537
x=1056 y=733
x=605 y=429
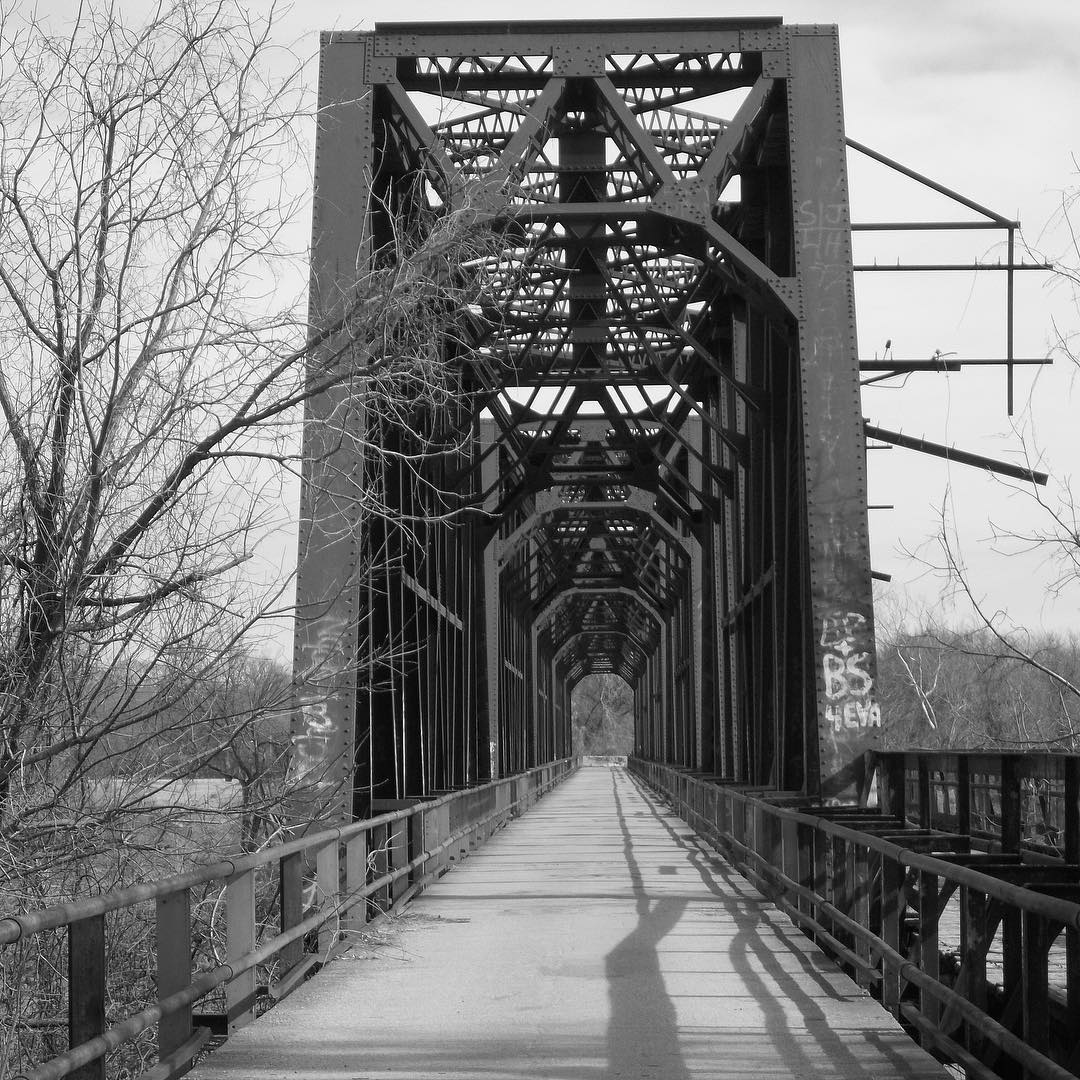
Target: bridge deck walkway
x=595 y=937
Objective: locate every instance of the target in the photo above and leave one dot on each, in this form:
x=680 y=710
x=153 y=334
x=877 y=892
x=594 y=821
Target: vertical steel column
x=479 y=645
x=735 y=734
x=489 y=484
x=696 y=599
x=834 y=450
x=537 y=698
x=327 y=590
x=713 y=666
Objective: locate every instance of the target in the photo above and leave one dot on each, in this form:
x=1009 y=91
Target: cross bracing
x=658 y=470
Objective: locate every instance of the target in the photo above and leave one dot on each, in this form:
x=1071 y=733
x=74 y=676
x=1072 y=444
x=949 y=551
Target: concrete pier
x=595 y=937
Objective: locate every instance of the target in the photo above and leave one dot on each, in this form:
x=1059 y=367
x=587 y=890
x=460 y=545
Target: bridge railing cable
x=329 y=883
x=971 y=939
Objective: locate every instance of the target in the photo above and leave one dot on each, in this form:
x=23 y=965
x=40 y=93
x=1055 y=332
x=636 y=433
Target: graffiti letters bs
x=849 y=687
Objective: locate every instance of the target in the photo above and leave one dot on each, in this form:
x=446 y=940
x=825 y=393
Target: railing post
x=773 y=839
x=865 y=863
x=963 y=795
x=893 y=798
x=929 y=957
x=239 y=941
x=926 y=809
x=820 y=845
x=471 y=813
x=1072 y=811
x=841 y=886
x=86 y=989
x=380 y=841
x=327 y=874
x=804 y=839
x=1012 y=951
x=399 y=857
x=291 y=905
x=1011 y=802
x=444 y=829
x=789 y=842
x=479 y=834
x=418 y=843
x=1036 y=998
x=1072 y=857
x=892 y=909
x=356 y=870
x=974 y=915
x=173 y=966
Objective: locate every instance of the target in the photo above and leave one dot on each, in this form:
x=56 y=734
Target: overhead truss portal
x=659 y=468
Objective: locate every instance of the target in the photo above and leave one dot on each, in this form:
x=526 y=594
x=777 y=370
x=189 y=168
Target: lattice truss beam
x=663 y=432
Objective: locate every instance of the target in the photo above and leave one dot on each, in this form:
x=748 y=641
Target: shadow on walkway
x=643 y=1032
x=595 y=939
x=800 y=1032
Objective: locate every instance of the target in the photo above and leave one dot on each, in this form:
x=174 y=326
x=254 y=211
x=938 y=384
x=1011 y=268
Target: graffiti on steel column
x=316 y=733
x=821 y=229
x=849 y=685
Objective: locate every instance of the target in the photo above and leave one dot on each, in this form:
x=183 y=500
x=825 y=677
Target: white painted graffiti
x=316 y=728
x=845 y=667
x=821 y=232
x=309 y=754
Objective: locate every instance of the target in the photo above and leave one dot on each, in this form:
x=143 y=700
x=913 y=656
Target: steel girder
x=663 y=431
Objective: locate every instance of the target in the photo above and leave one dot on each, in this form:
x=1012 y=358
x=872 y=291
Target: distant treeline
x=971 y=689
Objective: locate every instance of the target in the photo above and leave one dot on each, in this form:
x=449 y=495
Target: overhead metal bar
x=925 y=226
x=961 y=457
x=926 y=268
x=953 y=363
x=993 y=221
x=934 y=185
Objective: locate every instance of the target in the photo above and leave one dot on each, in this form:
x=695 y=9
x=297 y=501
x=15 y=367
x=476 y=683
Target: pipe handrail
x=15 y=927
x=818 y=864
x=90 y=1046
x=1063 y=911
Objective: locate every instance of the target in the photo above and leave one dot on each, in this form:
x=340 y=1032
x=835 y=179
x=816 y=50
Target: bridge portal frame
x=650 y=273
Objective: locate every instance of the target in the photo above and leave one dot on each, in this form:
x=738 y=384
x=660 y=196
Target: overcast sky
x=982 y=97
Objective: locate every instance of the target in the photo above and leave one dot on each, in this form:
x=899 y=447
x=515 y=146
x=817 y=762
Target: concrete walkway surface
x=595 y=938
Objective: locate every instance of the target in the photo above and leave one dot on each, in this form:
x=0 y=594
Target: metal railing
x=871 y=885
x=1007 y=800
x=409 y=847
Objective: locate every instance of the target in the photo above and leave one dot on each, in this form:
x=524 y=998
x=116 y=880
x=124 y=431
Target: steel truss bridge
x=663 y=444
x=655 y=467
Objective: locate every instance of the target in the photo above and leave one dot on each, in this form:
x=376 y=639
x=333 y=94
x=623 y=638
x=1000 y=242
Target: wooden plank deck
x=595 y=937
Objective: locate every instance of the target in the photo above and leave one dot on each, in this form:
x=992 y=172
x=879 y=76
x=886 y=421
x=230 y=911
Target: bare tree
x=603 y=716
x=155 y=355
x=1067 y=267
x=980 y=678
x=151 y=375
x=966 y=688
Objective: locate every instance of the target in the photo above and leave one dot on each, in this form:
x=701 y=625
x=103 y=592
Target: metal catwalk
x=593 y=937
